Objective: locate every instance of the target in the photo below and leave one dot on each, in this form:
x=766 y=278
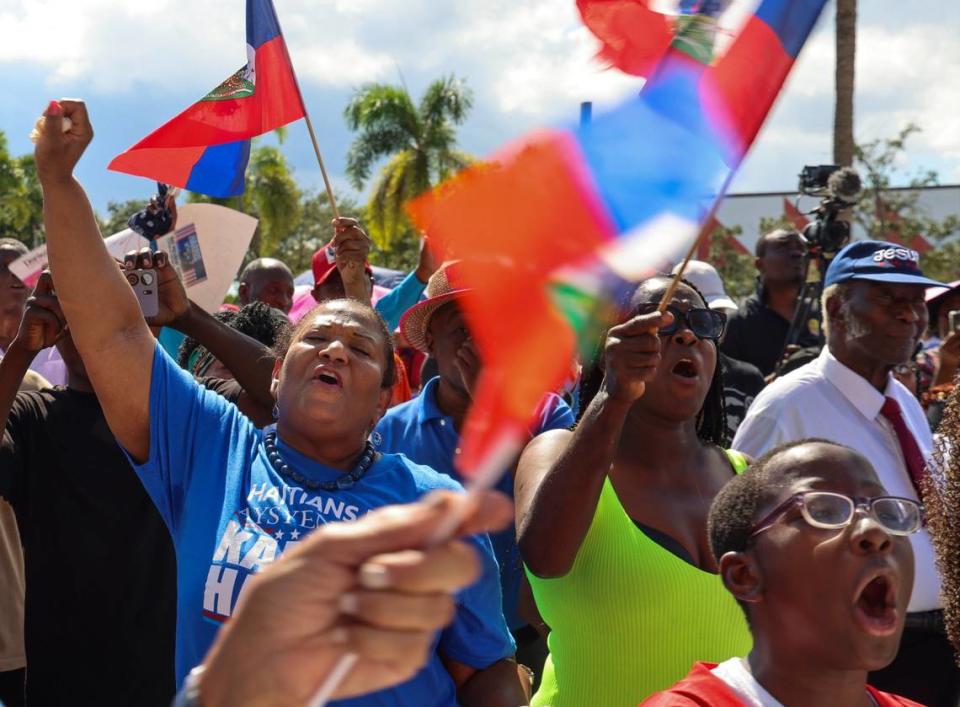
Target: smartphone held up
x=144 y=284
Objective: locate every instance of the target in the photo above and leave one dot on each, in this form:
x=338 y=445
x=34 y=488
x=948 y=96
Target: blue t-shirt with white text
x=230 y=514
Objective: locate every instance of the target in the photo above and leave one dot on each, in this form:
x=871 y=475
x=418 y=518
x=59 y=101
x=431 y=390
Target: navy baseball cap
x=878 y=261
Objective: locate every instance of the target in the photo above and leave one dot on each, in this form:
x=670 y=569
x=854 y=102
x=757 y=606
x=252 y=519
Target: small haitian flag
x=206 y=148
x=588 y=209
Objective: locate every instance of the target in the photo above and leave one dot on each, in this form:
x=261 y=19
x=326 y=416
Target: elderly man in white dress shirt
x=874 y=314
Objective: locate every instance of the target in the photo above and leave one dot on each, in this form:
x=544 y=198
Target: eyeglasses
x=704 y=323
x=831 y=511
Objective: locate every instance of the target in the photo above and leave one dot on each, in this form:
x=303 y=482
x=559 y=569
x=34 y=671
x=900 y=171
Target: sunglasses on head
x=703 y=322
x=831 y=511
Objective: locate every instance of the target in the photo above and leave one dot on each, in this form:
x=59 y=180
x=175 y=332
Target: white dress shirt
x=826 y=399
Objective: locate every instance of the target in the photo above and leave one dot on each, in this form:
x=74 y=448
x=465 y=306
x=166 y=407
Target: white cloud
x=906 y=68
x=341 y=62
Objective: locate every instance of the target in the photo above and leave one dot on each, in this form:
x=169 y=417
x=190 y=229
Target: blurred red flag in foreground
x=632 y=188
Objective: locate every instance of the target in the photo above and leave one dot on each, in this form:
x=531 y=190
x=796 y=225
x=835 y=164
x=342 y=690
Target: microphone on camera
x=845 y=184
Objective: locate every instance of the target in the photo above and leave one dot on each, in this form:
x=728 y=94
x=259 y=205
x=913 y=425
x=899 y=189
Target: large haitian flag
x=564 y=209
x=205 y=149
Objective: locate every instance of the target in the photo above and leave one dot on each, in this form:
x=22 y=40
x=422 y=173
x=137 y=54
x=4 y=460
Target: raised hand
x=43 y=323
x=350 y=242
x=172 y=295
x=632 y=354
x=428 y=262
x=58 y=151
x=351 y=245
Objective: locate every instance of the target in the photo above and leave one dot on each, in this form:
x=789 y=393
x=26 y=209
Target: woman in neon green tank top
x=611 y=518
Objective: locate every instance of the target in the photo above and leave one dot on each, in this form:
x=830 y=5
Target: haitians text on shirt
x=275 y=519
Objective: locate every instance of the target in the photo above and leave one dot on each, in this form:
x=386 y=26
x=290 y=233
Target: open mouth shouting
x=326 y=376
x=875 y=603
x=686 y=368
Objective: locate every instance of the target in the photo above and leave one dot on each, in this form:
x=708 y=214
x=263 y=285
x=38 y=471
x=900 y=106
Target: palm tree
x=420 y=142
x=843 y=145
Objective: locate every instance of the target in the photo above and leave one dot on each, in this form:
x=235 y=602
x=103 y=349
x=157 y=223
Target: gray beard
x=856 y=328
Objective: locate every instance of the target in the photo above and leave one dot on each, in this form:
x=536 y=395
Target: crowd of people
x=218 y=508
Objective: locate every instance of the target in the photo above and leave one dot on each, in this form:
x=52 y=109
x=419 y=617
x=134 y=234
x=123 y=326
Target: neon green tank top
x=631 y=618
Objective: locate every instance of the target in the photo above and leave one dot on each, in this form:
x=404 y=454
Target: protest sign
x=206 y=249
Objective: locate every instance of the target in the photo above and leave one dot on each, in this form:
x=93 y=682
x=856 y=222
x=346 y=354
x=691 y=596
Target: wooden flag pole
x=306 y=117
x=316 y=149
x=668 y=295
x=352 y=272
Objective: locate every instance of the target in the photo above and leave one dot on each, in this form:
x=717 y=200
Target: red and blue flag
x=624 y=194
x=206 y=148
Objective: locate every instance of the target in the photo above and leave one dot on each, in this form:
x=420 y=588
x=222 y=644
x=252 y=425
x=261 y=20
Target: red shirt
x=701 y=688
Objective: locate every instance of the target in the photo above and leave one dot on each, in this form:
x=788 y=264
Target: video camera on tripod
x=838 y=189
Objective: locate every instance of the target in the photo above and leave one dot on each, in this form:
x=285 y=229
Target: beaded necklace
x=343 y=482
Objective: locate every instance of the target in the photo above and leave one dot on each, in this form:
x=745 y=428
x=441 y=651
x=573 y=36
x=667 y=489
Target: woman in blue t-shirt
x=233 y=497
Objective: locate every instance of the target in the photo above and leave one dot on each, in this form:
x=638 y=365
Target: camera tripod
x=808 y=304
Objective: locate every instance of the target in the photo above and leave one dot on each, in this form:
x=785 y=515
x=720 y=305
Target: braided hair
x=941 y=498
x=711 y=421
x=257 y=320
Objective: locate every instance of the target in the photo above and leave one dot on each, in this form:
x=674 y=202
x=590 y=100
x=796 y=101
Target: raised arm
x=561 y=474
x=402 y=297
x=104 y=317
x=250 y=361
x=42 y=324
x=352 y=245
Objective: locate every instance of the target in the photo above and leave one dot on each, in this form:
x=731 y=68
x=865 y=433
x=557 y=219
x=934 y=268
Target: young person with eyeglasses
x=612 y=516
x=817 y=554
x=874 y=313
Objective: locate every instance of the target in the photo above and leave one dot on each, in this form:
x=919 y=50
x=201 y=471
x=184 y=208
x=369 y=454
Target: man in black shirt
x=758 y=332
x=100 y=570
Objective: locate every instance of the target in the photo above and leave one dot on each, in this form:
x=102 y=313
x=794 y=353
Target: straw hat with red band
x=445 y=285
x=325 y=262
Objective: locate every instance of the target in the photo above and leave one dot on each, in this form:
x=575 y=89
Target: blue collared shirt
x=421 y=431
x=398 y=300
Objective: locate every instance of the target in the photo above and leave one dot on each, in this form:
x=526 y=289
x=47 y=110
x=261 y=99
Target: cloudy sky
x=529 y=62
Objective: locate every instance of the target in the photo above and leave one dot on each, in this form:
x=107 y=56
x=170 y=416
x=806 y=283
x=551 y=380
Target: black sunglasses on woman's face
x=703 y=322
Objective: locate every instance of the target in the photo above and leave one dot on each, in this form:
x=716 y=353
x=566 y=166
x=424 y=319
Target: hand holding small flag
x=631 y=355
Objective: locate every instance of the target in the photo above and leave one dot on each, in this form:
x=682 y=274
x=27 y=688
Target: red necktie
x=908 y=445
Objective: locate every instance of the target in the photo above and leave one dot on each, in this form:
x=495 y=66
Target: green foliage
x=768 y=224
x=735 y=268
x=883 y=211
x=403 y=254
x=943 y=262
x=21 y=201
x=313 y=231
x=419 y=143
x=274 y=196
